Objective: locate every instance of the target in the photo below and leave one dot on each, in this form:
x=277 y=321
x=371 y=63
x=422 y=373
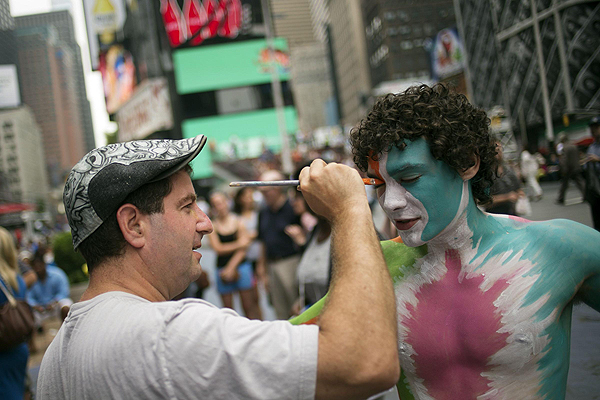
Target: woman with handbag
x=13 y=357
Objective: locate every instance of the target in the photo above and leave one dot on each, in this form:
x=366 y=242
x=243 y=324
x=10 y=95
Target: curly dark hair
x=455 y=130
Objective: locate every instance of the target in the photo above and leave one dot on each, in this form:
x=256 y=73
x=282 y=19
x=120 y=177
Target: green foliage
x=111 y=137
x=67 y=258
x=40 y=205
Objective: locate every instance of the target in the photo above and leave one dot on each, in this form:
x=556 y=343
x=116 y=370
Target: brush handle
x=291 y=182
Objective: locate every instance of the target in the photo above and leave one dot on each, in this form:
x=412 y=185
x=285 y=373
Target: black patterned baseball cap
x=99 y=183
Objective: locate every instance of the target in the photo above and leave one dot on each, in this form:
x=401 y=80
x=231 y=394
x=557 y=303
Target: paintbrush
x=291 y=182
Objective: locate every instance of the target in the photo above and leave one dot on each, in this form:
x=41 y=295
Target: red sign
x=171 y=14
x=200 y=20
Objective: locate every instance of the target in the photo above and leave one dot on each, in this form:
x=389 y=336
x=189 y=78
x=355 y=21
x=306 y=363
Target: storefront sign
x=148 y=111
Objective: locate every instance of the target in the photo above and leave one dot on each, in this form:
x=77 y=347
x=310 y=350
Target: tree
x=67 y=258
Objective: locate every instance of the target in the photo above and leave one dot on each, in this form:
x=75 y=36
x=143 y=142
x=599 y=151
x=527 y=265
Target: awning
x=585 y=141
x=8 y=208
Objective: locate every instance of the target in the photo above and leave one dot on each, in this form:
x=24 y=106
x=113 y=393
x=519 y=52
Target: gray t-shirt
x=121 y=346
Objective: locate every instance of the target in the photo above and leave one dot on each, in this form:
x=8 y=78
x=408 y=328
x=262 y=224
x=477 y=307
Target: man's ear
x=470 y=172
x=132 y=222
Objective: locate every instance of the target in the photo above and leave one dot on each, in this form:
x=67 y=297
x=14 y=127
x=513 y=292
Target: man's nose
x=395 y=198
x=203 y=223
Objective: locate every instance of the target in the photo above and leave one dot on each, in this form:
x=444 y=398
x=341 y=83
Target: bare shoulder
x=570 y=240
x=554 y=241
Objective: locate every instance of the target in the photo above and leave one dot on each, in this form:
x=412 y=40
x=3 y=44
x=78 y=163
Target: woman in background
x=230 y=241
x=245 y=206
x=13 y=362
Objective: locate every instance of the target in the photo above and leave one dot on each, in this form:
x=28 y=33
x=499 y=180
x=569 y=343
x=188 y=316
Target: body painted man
x=484 y=301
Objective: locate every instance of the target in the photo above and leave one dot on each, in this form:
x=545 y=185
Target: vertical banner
x=447 y=54
x=104 y=20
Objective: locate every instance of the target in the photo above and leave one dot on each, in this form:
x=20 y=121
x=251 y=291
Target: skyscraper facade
x=62 y=21
x=6 y=20
x=8 y=46
x=22 y=169
x=350 y=59
x=539 y=60
x=46 y=68
x=292 y=20
x=398 y=34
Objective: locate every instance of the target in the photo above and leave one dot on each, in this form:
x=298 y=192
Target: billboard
x=9 y=86
x=239 y=135
x=148 y=111
x=196 y=21
x=118 y=76
x=104 y=22
x=447 y=54
x=229 y=65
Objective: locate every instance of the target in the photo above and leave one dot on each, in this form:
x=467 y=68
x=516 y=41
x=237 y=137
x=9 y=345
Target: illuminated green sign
x=237 y=135
x=246 y=63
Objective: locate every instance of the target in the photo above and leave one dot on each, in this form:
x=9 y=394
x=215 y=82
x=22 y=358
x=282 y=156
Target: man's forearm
x=360 y=315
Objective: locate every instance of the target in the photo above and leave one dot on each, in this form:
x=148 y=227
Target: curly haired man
x=484 y=301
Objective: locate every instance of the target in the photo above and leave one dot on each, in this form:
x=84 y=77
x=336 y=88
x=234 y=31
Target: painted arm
x=589 y=292
x=577 y=274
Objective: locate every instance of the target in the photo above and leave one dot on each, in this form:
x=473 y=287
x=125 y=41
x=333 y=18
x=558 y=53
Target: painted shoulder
x=564 y=239
x=400 y=258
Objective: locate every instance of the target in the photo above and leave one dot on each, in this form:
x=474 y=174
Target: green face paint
x=417 y=186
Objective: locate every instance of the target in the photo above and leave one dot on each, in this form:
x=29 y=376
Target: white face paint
x=408 y=214
x=423 y=196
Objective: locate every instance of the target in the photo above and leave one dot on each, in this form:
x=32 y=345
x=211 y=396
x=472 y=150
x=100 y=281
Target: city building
x=351 y=66
x=539 y=63
x=8 y=45
x=320 y=19
x=399 y=36
x=23 y=178
x=292 y=20
x=303 y=24
x=312 y=86
x=62 y=21
x=46 y=68
x=6 y=20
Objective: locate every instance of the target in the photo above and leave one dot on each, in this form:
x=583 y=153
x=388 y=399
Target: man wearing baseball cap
x=592 y=171
x=133 y=215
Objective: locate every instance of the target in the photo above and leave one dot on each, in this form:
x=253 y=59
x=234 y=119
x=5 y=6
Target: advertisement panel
x=9 y=86
x=118 y=76
x=447 y=54
x=148 y=111
x=104 y=22
x=229 y=65
x=192 y=22
x=237 y=136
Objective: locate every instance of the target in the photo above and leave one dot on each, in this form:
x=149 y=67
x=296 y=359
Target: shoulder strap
x=7 y=293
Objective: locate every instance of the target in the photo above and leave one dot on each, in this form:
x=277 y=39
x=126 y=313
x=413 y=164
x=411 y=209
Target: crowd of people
x=29 y=273
x=457 y=273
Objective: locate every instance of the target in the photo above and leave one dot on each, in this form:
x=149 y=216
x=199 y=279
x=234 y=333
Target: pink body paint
x=453 y=332
x=520 y=219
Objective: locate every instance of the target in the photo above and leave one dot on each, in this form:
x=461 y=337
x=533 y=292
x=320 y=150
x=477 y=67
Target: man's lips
x=404 y=224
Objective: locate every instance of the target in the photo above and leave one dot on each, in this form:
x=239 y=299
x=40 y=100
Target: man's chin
x=412 y=239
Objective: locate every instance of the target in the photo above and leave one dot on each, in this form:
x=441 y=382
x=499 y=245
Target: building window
x=406 y=45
